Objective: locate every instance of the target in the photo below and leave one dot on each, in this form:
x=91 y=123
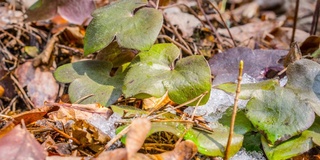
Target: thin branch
x=176 y=43
x=24 y=94
x=315 y=19
x=175 y=32
x=224 y=23
x=295 y=21
x=234 y=113
x=208 y=21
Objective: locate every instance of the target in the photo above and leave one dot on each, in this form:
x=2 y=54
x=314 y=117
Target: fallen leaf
x=310 y=45
x=184 y=150
x=19 y=144
x=117 y=154
x=138 y=131
x=245 y=33
x=281 y=37
x=184 y=21
x=75 y=11
x=41 y=84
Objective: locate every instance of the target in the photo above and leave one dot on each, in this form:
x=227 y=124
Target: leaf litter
x=168 y=130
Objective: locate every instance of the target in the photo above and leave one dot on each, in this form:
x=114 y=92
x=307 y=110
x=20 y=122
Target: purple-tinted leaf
x=75 y=11
x=224 y=66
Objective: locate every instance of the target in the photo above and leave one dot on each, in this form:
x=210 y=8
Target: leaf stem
x=234 y=113
x=295 y=21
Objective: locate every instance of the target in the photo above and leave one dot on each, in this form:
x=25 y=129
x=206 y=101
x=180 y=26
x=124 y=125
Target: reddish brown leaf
x=28 y=117
x=20 y=144
x=75 y=11
x=41 y=85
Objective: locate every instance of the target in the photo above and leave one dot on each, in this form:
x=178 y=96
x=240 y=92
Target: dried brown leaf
x=19 y=144
x=139 y=129
x=41 y=84
x=118 y=154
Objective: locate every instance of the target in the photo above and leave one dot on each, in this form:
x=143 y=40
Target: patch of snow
x=244 y=155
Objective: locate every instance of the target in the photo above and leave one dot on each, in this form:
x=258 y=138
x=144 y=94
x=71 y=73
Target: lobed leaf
x=154 y=72
x=278 y=114
x=91 y=78
x=128 y=21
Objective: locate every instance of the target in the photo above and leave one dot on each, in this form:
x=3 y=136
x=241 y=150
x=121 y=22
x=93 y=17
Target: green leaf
x=116 y=55
x=301 y=74
x=292 y=147
x=248 y=89
x=91 y=77
x=252 y=142
x=304 y=80
x=242 y=123
x=93 y=69
x=210 y=144
x=105 y=93
x=279 y=114
x=154 y=72
x=132 y=26
x=214 y=144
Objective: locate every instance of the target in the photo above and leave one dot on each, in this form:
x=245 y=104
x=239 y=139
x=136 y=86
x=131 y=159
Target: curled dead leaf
x=137 y=134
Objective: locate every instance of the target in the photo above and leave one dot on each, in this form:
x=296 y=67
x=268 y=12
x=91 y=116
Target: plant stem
x=295 y=21
x=234 y=113
x=315 y=19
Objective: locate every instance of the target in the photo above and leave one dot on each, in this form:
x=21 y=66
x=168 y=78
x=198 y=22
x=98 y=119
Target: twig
x=45 y=55
x=83 y=98
x=295 y=21
x=194 y=111
x=224 y=23
x=117 y=137
x=176 y=43
x=315 y=19
x=175 y=32
x=13 y=37
x=24 y=94
x=234 y=113
x=189 y=9
x=208 y=21
x=64 y=134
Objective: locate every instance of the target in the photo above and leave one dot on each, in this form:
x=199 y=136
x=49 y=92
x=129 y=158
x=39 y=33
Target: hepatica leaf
x=214 y=144
x=278 y=114
x=132 y=26
x=247 y=89
x=292 y=147
x=91 y=77
x=154 y=72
